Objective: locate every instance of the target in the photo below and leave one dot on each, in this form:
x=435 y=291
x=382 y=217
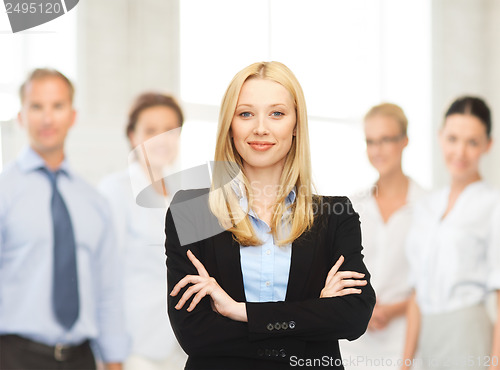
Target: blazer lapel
x=227 y=254
x=300 y=267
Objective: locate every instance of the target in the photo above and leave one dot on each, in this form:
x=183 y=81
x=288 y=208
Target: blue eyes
x=249 y=114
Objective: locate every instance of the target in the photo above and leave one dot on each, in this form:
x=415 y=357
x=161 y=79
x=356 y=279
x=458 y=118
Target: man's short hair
x=41 y=73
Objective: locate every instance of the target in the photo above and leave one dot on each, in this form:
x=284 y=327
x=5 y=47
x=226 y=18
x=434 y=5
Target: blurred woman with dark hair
x=454 y=249
x=139 y=198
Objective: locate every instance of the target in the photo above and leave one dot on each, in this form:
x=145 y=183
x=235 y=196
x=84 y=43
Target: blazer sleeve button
x=284 y=325
x=282 y=352
x=260 y=352
x=291 y=324
x=270 y=327
x=275 y=353
x=277 y=326
x=268 y=352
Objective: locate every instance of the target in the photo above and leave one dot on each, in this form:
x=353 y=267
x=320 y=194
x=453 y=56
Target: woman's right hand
x=204 y=285
x=341 y=283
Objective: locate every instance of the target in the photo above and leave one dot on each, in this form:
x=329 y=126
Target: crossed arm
x=219 y=325
x=337 y=284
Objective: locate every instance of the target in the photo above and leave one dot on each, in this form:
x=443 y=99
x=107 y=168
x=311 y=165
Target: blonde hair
x=390 y=110
x=224 y=202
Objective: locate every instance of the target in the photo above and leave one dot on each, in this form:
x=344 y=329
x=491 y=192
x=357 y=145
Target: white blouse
x=385 y=259
x=455 y=261
x=141 y=238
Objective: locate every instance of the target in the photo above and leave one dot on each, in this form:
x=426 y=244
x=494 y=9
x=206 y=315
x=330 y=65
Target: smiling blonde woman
x=283 y=279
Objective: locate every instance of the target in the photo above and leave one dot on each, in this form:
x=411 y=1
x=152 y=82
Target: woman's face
x=263 y=125
x=156 y=129
x=463 y=141
x=384 y=143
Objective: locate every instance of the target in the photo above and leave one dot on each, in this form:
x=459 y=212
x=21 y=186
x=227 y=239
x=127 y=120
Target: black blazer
x=278 y=335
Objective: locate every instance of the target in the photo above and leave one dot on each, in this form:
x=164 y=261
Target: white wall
x=466 y=60
x=124 y=48
x=493 y=85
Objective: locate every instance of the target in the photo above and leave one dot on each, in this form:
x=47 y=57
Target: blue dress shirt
x=26 y=245
x=265 y=267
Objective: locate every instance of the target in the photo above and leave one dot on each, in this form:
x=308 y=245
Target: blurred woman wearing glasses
x=386 y=211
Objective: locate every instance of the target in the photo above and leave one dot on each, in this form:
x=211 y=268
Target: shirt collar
x=291 y=196
x=29 y=161
x=239 y=188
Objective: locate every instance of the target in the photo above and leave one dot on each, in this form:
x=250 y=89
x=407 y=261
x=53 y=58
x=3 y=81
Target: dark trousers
x=17 y=353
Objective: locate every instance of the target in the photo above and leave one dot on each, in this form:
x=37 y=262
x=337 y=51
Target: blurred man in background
x=59 y=273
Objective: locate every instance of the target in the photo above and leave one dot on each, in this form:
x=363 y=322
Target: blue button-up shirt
x=26 y=260
x=265 y=267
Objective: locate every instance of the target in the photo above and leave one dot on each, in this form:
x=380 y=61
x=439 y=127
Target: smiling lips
x=459 y=164
x=261 y=146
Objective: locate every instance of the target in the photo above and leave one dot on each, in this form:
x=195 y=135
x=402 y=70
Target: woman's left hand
x=203 y=285
x=341 y=283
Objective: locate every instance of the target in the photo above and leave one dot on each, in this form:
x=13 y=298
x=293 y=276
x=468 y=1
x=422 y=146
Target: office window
x=347 y=55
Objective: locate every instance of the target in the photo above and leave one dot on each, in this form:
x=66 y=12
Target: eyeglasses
x=384 y=141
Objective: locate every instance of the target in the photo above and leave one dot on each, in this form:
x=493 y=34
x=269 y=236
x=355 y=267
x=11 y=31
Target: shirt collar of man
x=29 y=161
